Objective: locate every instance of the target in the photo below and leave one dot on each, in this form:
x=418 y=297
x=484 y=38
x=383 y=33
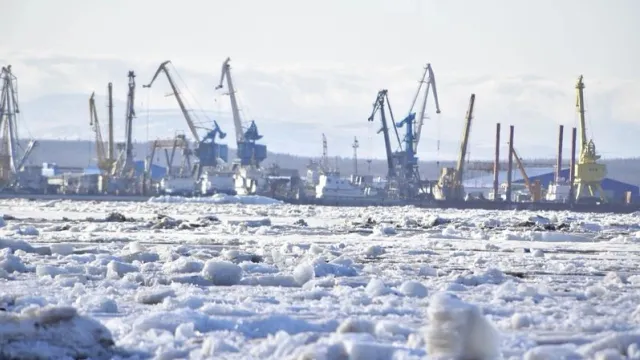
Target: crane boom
x=378 y=106
x=523 y=172
x=235 y=110
x=429 y=82
x=465 y=140
x=176 y=92
x=580 y=107
x=95 y=126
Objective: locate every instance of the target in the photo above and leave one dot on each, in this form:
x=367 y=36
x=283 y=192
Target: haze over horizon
x=316 y=68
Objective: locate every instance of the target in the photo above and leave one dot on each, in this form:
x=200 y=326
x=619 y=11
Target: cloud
x=294 y=104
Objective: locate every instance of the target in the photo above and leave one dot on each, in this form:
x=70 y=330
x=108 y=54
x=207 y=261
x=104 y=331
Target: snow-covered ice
x=252 y=278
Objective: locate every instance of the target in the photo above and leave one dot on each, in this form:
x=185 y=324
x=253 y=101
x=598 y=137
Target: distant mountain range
x=81 y=153
x=294 y=105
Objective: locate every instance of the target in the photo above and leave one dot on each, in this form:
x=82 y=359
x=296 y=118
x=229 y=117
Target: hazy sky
x=493 y=42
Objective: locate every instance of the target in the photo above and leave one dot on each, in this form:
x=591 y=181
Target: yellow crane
x=105 y=163
x=588 y=173
x=535 y=189
x=449 y=186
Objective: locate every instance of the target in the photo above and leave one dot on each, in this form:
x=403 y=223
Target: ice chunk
x=303 y=273
x=459 y=330
x=53 y=332
x=222 y=272
x=414 y=289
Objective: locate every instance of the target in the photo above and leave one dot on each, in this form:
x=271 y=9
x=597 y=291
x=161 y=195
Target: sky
x=306 y=68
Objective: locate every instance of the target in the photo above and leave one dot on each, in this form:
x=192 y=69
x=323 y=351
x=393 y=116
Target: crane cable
x=188 y=91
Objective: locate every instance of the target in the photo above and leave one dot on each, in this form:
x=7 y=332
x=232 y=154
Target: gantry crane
x=207 y=151
x=449 y=186
x=249 y=153
x=10 y=161
x=588 y=173
x=428 y=81
x=403 y=179
x=405 y=160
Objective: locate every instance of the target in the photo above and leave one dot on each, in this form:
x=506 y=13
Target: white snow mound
x=222 y=273
x=217 y=199
x=459 y=330
x=53 y=333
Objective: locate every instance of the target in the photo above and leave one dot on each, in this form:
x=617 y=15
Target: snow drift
x=217 y=199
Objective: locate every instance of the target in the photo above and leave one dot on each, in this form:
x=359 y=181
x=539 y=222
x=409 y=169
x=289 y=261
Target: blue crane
x=402 y=165
x=249 y=153
x=408 y=158
x=207 y=150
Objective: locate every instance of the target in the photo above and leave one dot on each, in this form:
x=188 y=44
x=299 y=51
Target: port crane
x=402 y=165
x=104 y=161
x=249 y=177
x=249 y=153
x=588 y=172
x=10 y=161
x=207 y=151
x=428 y=83
x=126 y=167
x=449 y=186
x=379 y=105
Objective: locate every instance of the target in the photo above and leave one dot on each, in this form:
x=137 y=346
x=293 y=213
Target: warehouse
x=615 y=190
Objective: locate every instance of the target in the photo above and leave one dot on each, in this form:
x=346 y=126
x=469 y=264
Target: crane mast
x=127 y=168
x=176 y=93
x=588 y=173
x=355 y=147
x=111 y=145
x=379 y=106
x=325 y=154
x=8 y=110
x=429 y=82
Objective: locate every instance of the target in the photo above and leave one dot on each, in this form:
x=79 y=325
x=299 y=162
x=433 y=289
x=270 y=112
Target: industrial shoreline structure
x=207 y=169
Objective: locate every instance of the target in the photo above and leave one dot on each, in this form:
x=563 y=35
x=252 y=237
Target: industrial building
x=615 y=190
